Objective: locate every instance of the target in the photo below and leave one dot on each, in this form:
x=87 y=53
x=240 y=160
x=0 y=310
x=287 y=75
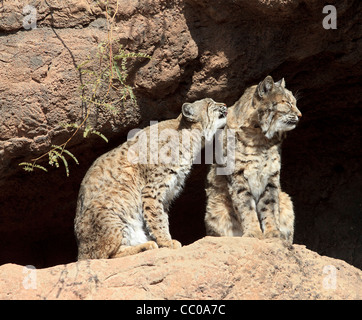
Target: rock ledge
x=211 y=268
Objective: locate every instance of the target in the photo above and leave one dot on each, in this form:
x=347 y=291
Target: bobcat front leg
x=157 y=220
x=286 y=217
x=268 y=210
x=244 y=206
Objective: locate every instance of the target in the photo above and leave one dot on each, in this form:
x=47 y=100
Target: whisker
x=298 y=95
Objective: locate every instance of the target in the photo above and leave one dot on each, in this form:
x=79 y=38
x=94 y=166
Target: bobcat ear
x=281 y=83
x=265 y=86
x=189 y=111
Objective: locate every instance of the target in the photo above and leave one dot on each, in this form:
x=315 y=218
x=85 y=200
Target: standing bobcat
x=125 y=195
x=249 y=202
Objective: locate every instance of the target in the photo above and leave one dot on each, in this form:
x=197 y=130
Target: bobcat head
x=276 y=107
x=210 y=114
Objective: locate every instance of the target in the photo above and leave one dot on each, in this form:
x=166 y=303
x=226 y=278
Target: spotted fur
x=123 y=202
x=249 y=202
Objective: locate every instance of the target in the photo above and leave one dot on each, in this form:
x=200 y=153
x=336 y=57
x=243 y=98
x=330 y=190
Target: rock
x=211 y=268
x=198 y=48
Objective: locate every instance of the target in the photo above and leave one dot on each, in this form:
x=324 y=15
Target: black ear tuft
x=266 y=86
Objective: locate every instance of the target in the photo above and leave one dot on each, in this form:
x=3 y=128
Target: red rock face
x=198 y=49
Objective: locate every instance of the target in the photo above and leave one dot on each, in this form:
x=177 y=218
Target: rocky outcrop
x=198 y=48
x=211 y=268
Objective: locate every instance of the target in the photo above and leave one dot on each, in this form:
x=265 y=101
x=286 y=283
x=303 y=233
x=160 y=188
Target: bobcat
x=123 y=201
x=249 y=202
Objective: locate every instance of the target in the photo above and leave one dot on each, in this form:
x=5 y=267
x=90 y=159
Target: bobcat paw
x=149 y=245
x=273 y=234
x=254 y=234
x=172 y=244
x=176 y=244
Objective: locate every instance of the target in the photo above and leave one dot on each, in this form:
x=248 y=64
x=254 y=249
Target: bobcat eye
x=210 y=102
x=287 y=103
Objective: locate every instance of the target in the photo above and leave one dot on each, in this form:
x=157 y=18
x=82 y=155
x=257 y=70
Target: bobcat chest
x=259 y=172
x=175 y=183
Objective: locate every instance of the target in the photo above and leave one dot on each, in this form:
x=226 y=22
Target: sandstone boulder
x=211 y=268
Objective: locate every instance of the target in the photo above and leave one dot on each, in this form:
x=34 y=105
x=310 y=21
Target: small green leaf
x=65 y=165
x=53 y=158
x=30 y=166
x=72 y=156
x=59 y=155
x=100 y=135
x=67 y=152
x=68 y=125
x=121 y=77
x=86 y=131
x=40 y=167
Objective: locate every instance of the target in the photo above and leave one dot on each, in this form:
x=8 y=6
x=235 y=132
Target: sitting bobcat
x=123 y=201
x=249 y=201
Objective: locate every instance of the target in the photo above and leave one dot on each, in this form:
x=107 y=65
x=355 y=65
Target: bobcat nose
x=299 y=115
